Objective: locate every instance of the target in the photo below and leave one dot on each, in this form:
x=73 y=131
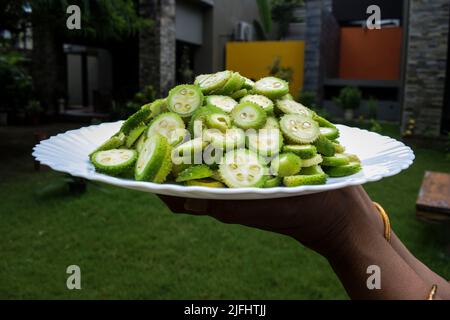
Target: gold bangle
x=432 y=293
x=387 y=223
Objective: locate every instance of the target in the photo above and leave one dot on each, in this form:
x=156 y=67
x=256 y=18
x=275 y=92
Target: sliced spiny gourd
x=272 y=87
x=329 y=133
x=336 y=161
x=353 y=157
x=338 y=147
x=195 y=173
x=178 y=136
x=190 y=152
x=305 y=151
x=185 y=100
x=115 y=142
x=208 y=183
x=165 y=167
x=152 y=156
x=313 y=170
x=114 y=162
x=224 y=103
x=198 y=119
x=273 y=182
x=170 y=125
x=293 y=107
x=344 y=171
x=136 y=120
x=299 y=129
x=178 y=168
x=265 y=142
x=285 y=165
x=156 y=108
x=287 y=97
x=304 y=180
x=218 y=121
x=231 y=139
x=232 y=85
x=135 y=134
x=322 y=121
x=271 y=123
x=243 y=169
x=316 y=160
x=140 y=143
x=239 y=94
x=325 y=146
x=213 y=82
x=249 y=84
x=260 y=100
x=248 y=115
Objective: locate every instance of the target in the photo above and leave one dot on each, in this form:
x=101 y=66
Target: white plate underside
x=381 y=157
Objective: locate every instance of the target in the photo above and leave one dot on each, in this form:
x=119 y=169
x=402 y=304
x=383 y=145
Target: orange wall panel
x=370 y=54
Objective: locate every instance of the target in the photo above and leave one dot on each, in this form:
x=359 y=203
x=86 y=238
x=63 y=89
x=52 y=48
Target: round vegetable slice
x=224 y=103
x=198 y=119
x=185 y=99
x=151 y=157
x=165 y=167
x=213 y=82
x=272 y=87
x=260 y=100
x=287 y=97
x=136 y=120
x=234 y=84
x=248 y=115
x=329 y=133
x=156 y=108
x=336 y=161
x=115 y=142
x=114 y=162
x=134 y=135
x=243 y=169
x=208 y=183
x=325 y=146
x=312 y=170
x=317 y=159
x=273 y=182
x=265 y=142
x=285 y=165
x=300 y=180
x=305 y=151
x=271 y=123
x=231 y=139
x=169 y=125
x=239 y=94
x=338 y=147
x=140 y=143
x=322 y=121
x=249 y=84
x=293 y=107
x=218 y=121
x=344 y=171
x=190 y=152
x=195 y=173
x=299 y=129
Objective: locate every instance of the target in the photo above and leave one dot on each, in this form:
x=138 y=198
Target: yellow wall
x=252 y=59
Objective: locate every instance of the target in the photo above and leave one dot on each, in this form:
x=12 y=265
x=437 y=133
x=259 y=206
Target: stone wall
x=157 y=55
x=425 y=73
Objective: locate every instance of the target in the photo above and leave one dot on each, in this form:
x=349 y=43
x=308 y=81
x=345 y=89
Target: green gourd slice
x=248 y=115
x=344 y=171
x=287 y=97
x=136 y=120
x=224 y=103
x=338 y=147
x=239 y=94
x=156 y=108
x=243 y=169
x=231 y=139
x=198 y=119
x=218 y=121
x=329 y=133
x=115 y=142
x=271 y=123
x=233 y=84
x=207 y=183
x=190 y=152
x=299 y=129
x=114 y=162
x=313 y=170
x=170 y=125
x=213 y=82
x=265 y=142
x=304 y=180
x=272 y=87
x=140 y=143
x=305 y=151
x=165 y=167
x=325 y=146
x=151 y=157
x=195 y=173
x=249 y=84
x=260 y=100
x=185 y=100
x=322 y=121
x=353 y=157
x=273 y=182
x=285 y=165
x=316 y=160
x=293 y=107
x=336 y=161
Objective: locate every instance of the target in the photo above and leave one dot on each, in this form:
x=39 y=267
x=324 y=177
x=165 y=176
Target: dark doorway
x=446 y=108
x=185 y=62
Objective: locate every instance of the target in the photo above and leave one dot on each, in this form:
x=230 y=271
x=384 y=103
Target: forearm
x=398 y=279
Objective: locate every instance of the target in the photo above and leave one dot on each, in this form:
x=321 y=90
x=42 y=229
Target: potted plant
x=33 y=111
x=349 y=99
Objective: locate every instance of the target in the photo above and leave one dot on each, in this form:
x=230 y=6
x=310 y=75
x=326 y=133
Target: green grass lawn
x=129 y=246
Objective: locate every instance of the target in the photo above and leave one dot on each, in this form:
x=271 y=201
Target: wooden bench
x=433 y=203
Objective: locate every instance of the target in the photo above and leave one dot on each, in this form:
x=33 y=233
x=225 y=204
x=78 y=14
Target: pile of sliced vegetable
x=227 y=131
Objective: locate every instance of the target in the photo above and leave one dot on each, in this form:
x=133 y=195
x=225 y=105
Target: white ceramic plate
x=381 y=157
